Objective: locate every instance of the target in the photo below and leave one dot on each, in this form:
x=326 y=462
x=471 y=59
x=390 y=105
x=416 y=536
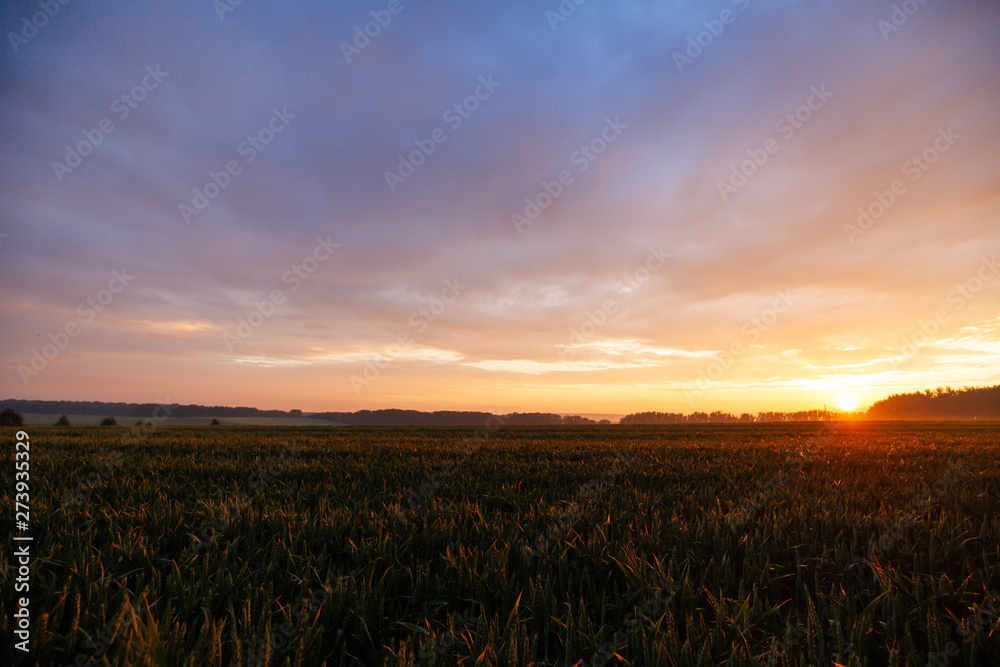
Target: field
x=798 y=544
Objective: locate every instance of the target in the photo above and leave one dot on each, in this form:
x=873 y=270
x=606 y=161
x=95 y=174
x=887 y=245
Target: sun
x=847 y=403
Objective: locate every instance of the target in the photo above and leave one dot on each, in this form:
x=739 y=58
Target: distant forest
x=448 y=418
x=723 y=417
x=137 y=410
x=943 y=403
x=389 y=417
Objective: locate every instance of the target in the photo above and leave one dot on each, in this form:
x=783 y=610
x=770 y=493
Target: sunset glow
x=847 y=403
x=485 y=210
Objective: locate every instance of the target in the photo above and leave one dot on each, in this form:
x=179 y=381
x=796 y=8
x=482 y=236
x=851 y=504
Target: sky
x=604 y=207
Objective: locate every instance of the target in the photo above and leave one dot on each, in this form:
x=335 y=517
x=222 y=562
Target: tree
x=577 y=420
x=11 y=417
x=967 y=403
x=109 y=421
x=604 y=421
x=63 y=420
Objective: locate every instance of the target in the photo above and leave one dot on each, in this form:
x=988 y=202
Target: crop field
x=770 y=544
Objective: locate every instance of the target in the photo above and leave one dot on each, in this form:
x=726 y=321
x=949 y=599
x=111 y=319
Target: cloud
x=656 y=185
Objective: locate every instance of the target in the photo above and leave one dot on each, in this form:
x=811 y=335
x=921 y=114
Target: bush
x=11 y=417
x=109 y=421
x=63 y=420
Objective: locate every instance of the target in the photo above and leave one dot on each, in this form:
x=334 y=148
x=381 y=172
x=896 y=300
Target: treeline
x=449 y=418
x=942 y=403
x=722 y=417
x=143 y=410
x=388 y=417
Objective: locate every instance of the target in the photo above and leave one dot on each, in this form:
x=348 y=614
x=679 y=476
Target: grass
x=861 y=544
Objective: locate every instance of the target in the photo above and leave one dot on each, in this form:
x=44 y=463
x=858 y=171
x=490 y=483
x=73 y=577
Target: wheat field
x=764 y=544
